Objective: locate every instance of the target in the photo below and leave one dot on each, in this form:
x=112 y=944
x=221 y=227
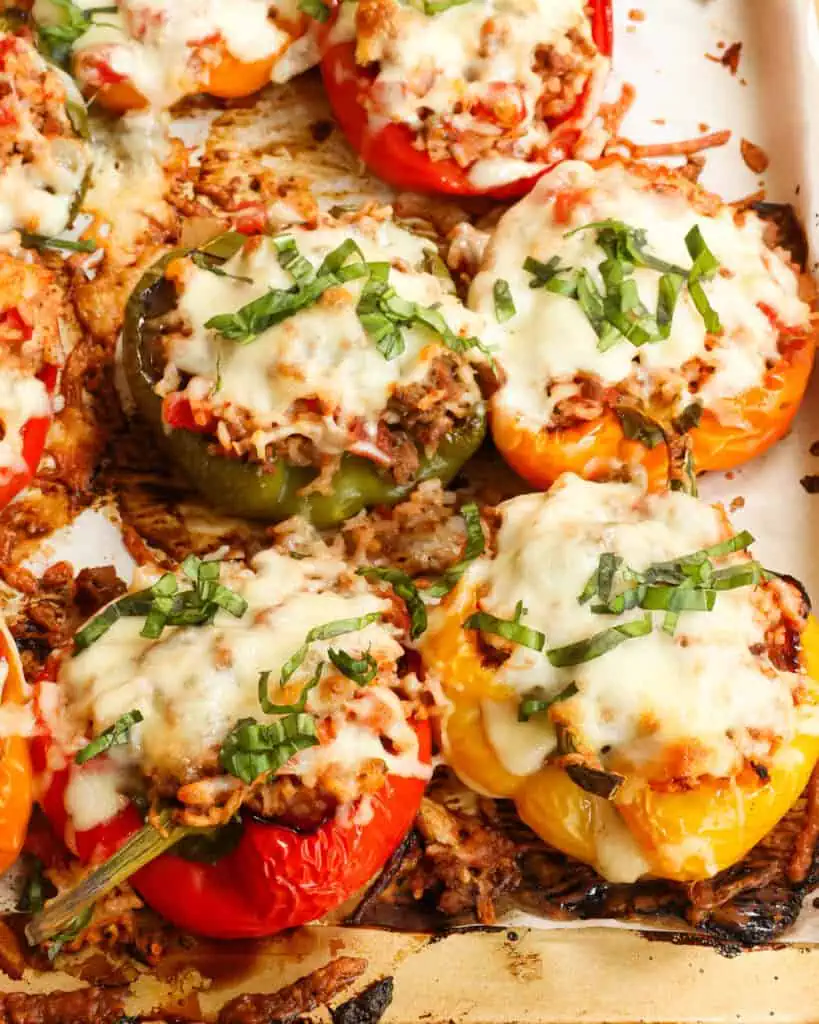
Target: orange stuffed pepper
x=154 y=54
x=622 y=669
x=15 y=765
x=637 y=310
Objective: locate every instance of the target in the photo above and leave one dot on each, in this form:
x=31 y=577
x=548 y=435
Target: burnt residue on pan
x=748 y=905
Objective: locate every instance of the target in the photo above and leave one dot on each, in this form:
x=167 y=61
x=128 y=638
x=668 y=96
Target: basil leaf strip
x=504 y=303
x=627 y=245
x=475 y=546
x=543 y=274
x=639 y=427
x=327 y=631
x=31 y=240
x=163 y=604
x=315 y=9
x=705 y=266
x=688 y=419
x=114 y=736
x=207 y=262
x=279 y=304
x=361 y=670
x=432 y=7
x=535 y=702
x=404 y=588
x=599 y=644
x=56 y=40
x=596 y=781
x=252 y=749
x=513 y=629
x=270 y=708
x=37 y=888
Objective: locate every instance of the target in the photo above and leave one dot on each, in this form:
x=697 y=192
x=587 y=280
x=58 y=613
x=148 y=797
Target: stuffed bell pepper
x=246 y=745
x=31 y=352
x=640 y=312
x=44 y=154
x=317 y=372
x=468 y=98
x=622 y=669
x=139 y=53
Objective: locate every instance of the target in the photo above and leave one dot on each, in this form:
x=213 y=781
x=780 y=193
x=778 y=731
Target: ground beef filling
x=494 y=123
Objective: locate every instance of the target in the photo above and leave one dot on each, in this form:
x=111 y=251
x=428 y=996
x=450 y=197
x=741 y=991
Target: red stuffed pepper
x=30 y=353
x=264 y=717
x=502 y=93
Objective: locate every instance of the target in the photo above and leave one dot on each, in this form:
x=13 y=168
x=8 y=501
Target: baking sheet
x=771 y=102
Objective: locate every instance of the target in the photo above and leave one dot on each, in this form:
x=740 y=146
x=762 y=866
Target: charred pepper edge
x=240 y=488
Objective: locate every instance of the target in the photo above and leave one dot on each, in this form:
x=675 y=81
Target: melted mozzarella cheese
x=551 y=341
x=40 y=180
x=193 y=684
x=22 y=397
x=479 y=46
x=165 y=47
x=702 y=684
x=323 y=352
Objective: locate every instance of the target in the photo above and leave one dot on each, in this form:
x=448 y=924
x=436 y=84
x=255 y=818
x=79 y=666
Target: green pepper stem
x=143 y=847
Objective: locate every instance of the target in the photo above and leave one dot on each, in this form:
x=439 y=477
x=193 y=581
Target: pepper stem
x=143 y=847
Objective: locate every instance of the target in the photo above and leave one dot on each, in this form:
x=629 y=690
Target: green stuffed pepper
x=314 y=373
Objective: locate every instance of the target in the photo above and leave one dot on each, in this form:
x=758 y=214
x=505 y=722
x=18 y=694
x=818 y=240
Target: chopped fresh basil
x=56 y=40
x=705 y=266
x=384 y=315
x=205 y=261
x=599 y=644
x=669 y=292
x=37 y=888
x=627 y=245
x=545 y=274
x=76 y=926
x=78 y=116
x=327 y=631
x=504 y=303
x=639 y=427
x=474 y=547
x=279 y=304
x=315 y=9
x=619 y=313
x=164 y=604
x=689 y=583
x=688 y=419
x=536 y=702
x=361 y=670
x=114 y=736
x=298 y=706
x=513 y=629
x=432 y=7
x=596 y=781
x=291 y=260
x=252 y=748
x=30 y=240
x=405 y=588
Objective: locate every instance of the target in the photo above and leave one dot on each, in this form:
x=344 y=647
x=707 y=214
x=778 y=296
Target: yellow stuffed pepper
x=622 y=669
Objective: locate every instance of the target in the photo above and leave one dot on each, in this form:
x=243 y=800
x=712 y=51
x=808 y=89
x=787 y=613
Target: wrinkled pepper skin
x=240 y=488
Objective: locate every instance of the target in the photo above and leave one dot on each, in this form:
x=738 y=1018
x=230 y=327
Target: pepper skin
x=15 y=764
x=240 y=488
x=275 y=878
x=759 y=418
x=724 y=820
x=390 y=152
